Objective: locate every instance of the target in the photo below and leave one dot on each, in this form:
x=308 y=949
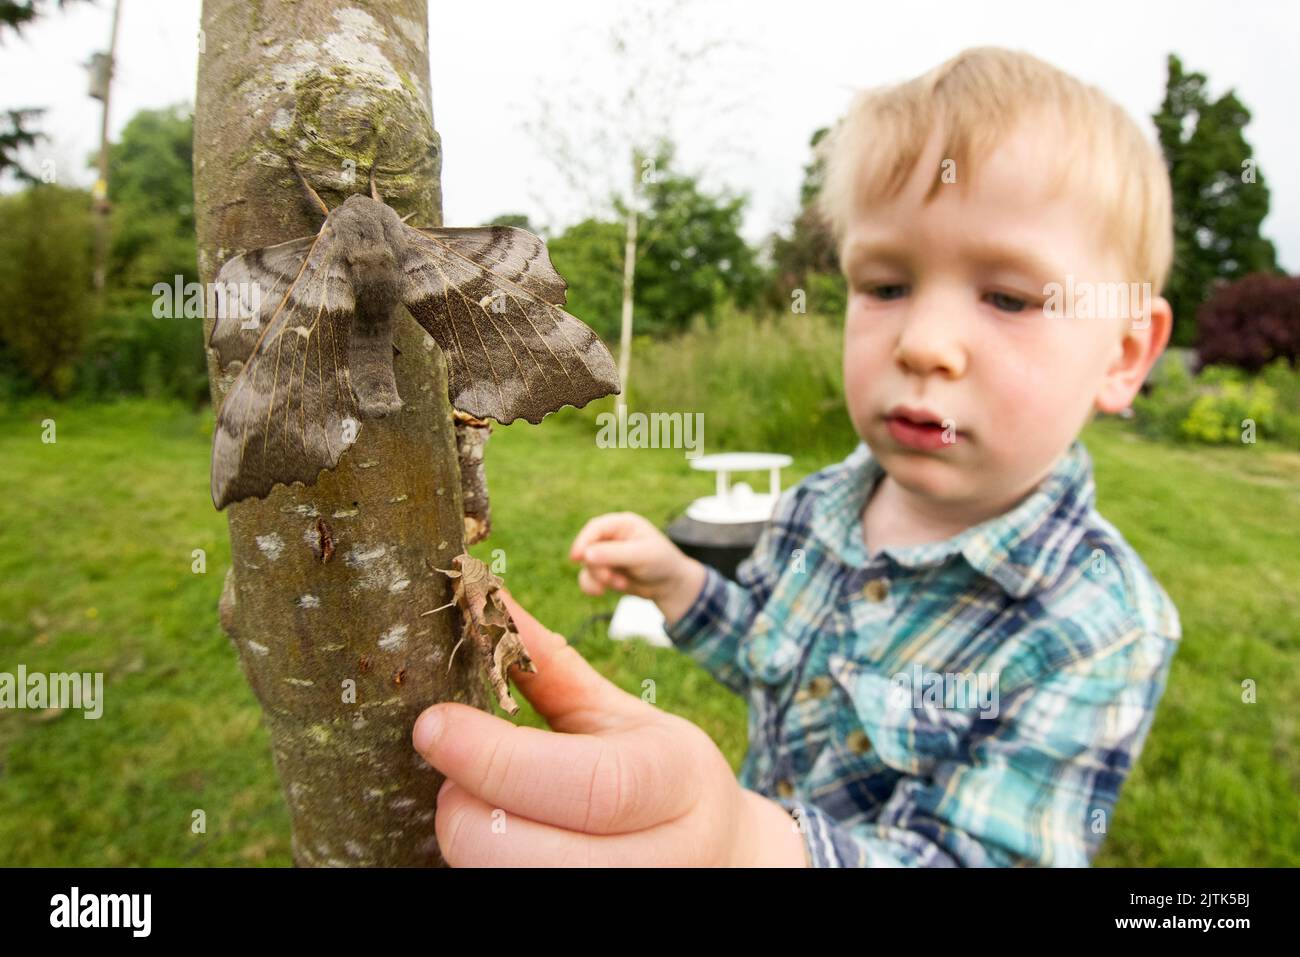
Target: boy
x=956 y=554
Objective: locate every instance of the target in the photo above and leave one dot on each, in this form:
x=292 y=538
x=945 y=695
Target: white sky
x=792 y=68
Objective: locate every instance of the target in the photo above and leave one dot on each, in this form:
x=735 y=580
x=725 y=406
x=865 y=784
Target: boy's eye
x=1001 y=300
x=886 y=291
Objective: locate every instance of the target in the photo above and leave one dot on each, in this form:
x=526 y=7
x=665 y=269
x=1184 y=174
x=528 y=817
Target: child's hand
x=624 y=784
x=623 y=551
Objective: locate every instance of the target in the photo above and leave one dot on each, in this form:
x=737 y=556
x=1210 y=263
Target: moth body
x=372 y=248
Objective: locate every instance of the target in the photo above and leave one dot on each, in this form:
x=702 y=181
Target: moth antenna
x=453 y=652
x=312 y=196
x=439 y=608
x=374 y=191
x=409 y=215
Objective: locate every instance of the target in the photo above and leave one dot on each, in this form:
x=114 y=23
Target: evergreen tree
x=1219 y=193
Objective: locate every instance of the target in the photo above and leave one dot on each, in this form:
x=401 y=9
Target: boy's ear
x=1138 y=352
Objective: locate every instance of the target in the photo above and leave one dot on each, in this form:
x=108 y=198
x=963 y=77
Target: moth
x=487 y=624
x=316 y=340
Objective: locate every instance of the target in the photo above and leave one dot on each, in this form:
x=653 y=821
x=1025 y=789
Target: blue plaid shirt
x=972 y=702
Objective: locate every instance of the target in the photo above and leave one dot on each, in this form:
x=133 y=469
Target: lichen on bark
x=331 y=639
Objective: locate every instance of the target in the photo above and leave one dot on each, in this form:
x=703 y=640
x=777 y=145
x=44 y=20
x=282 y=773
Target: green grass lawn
x=98 y=529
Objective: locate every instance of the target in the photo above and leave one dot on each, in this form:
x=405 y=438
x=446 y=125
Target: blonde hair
x=976 y=99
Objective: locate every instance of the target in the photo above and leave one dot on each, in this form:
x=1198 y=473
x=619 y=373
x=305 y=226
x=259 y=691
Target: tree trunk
x=327 y=582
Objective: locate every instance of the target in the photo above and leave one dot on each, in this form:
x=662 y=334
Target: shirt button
x=785 y=788
x=858 y=741
x=875 y=590
x=818 y=687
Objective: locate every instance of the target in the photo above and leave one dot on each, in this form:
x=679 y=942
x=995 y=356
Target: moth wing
x=491 y=300
x=249 y=290
x=291 y=412
x=514 y=253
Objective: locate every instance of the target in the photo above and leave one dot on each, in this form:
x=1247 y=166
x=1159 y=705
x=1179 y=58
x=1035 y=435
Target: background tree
x=151 y=192
x=46 y=306
x=16 y=126
x=16 y=133
x=805 y=258
x=309 y=630
x=518 y=220
x=691 y=257
x=589 y=255
x=1251 y=322
x=126 y=349
x=605 y=140
x=1220 y=195
x=19 y=13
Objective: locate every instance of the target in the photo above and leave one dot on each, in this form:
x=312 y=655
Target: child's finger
x=469 y=835
x=590 y=532
x=611 y=525
x=608 y=576
x=612 y=579
x=472 y=842
x=588 y=583
x=617 y=554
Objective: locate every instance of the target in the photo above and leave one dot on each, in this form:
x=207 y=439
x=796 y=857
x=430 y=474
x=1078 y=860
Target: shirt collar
x=1022 y=550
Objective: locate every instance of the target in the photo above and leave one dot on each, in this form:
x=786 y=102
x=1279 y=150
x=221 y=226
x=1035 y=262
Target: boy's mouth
x=920 y=428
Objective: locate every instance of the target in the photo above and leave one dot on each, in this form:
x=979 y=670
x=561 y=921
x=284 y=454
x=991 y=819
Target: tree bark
x=471 y=438
x=327 y=582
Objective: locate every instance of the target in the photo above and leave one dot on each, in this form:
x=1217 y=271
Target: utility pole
x=101 y=85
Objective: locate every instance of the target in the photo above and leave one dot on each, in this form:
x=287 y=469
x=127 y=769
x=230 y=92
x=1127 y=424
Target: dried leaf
x=487 y=624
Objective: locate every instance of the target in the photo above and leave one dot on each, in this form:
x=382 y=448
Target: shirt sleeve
x=712 y=627
x=1041 y=783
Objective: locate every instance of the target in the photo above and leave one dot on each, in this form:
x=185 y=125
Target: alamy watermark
x=1099 y=300
x=654 y=430
x=919 y=688
x=219 y=300
x=82 y=691
x=130 y=911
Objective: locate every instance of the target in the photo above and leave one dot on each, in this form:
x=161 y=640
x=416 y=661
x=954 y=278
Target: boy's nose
x=930 y=345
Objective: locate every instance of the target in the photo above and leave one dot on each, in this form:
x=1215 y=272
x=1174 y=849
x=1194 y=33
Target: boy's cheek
x=1042 y=391
x=857 y=395
x=865 y=359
